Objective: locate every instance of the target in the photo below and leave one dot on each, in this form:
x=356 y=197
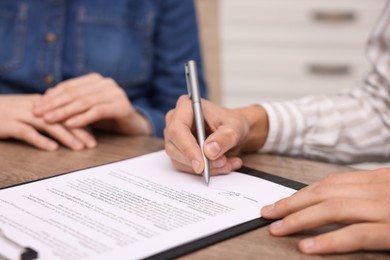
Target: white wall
x=283 y=49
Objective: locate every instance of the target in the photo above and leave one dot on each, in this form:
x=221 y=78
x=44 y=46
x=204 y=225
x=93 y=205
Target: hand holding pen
x=229 y=132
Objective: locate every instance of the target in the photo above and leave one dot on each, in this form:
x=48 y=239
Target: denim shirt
x=141 y=44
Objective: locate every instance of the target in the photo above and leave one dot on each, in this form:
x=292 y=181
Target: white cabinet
x=284 y=49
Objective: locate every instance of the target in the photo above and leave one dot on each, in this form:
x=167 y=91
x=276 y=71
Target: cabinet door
x=283 y=49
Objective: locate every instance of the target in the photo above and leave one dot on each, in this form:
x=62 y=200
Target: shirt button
x=51 y=37
x=49 y=79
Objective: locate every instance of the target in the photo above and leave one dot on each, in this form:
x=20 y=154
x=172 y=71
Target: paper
x=129 y=209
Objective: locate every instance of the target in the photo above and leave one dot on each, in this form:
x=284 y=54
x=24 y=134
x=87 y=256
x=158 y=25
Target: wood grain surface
x=20 y=163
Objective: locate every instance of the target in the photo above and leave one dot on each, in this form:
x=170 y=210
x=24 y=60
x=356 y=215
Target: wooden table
x=20 y=163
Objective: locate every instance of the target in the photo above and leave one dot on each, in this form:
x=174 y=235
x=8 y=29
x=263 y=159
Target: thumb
x=219 y=142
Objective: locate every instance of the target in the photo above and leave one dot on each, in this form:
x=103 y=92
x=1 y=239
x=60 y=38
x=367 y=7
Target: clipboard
x=233 y=231
x=197 y=244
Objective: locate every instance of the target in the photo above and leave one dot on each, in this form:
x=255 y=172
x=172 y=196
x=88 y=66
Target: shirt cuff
x=156 y=120
x=273 y=128
x=286 y=128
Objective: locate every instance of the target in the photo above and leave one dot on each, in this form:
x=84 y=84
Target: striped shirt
x=348 y=127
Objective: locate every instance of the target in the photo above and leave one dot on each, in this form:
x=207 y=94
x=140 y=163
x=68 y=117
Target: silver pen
x=194 y=94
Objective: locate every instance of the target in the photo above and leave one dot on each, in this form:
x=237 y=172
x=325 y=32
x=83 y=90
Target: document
x=129 y=209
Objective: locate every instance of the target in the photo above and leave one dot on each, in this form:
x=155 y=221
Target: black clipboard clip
x=27 y=253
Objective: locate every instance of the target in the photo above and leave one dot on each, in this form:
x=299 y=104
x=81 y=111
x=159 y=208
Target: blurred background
x=265 y=50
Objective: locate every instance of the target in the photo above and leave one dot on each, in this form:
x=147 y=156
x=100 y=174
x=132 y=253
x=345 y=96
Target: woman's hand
x=360 y=200
x=231 y=131
x=91 y=99
x=17 y=121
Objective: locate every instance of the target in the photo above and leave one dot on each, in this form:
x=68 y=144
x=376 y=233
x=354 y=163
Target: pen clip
x=187 y=72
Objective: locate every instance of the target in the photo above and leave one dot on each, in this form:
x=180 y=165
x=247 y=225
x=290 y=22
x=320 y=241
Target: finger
x=185 y=168
x=180 y=142
x=92 y=115
x=233 y=163
x=61 y=134
x=84 y=136
x=80 y=105
x=73 y=84
x=29 y=135
x=48 y=104
x=191 y=158
x=168 y=117
x=66 y=92
x=334 y=211
x=221 y=141
x=218 y=167
x=365 y=236
x=319 y=193
x=106 y=101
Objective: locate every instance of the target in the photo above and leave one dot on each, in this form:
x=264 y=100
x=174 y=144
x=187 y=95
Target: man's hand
x=17 y=121
x=91 y=99
x=231 y=131
x=360 y=200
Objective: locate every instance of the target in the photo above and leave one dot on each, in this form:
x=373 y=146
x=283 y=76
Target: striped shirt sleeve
x=349 y=127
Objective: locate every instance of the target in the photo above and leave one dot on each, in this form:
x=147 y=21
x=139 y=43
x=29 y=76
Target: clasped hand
x=18 y=121
x=65 y=111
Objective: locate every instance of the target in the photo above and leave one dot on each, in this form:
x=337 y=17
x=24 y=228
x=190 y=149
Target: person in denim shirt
x=116 y=66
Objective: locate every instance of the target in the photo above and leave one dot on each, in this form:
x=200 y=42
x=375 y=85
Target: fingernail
x=195 y=165
x=77 y=145
x=213 y=148
x=268 y=208
x=219 y=163
x=91 y=143
x=307 y=245
x=51 y=146
x=276 y=225
x=236 y=164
